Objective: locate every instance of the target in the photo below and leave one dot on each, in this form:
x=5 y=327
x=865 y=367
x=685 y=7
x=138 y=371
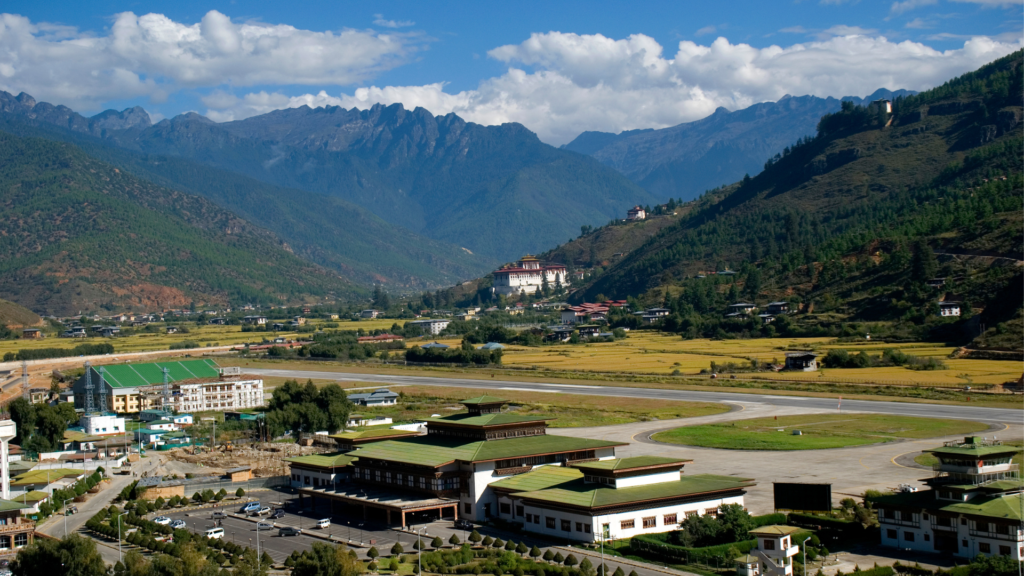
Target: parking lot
x=360 y=534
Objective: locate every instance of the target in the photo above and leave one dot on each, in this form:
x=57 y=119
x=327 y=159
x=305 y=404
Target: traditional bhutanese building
x=973 y=507
x=526 y=276
x=485 y=463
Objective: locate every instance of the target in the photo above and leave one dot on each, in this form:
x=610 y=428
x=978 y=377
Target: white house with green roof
x=973 y=507
x=448 y=472
x=196 y=385
x=619 y=497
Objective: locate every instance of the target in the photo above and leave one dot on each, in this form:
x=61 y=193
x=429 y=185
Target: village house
x=31 y=333
x=776 y=308
x=949 y=309
x=527 y=276
x=369 y=314
x=16 y=531
x=379 y=397
x=255 y=320
x=432 y=327
x=636 y=213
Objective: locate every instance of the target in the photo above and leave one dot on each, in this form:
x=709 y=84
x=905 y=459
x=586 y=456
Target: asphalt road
x=1001 y=415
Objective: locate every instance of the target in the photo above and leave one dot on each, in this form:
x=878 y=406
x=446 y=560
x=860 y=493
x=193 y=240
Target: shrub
x=454 y=540
x=475 y=537
x=372 y=553
x=372 y=566
x=571 y=561
x=397 y=549
x=239 y=492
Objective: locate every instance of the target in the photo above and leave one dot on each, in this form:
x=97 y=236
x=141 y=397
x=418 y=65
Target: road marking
x=893 y=460
x=528 y=390
x=861 y=462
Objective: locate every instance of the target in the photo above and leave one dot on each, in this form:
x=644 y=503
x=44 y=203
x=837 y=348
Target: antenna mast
x=103 y=391
x=88 y=388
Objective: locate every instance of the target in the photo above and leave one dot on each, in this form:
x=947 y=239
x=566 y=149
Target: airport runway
x=991 y=415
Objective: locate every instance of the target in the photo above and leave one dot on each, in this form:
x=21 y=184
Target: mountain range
x=685 y=160
x=496 y=191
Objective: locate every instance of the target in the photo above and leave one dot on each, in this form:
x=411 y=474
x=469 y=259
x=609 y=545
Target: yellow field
x=659 y=353
x=205 y=335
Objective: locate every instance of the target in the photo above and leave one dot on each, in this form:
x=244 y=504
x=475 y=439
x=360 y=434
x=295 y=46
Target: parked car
x=264 y=526
x=323 y=524
x=178 y=524
x=463 y=525
x=215 y=533
x=261 y=511
x=288 y=531
x=277 y=515
x=218 y=515
x=164 y=520
x=250 y=507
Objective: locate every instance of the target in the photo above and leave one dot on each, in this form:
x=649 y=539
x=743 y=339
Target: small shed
x=31 y=333
x=240 y=474
x=801 y=361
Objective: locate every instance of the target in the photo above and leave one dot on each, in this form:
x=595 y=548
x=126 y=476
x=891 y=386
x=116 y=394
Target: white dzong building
x=527 y=276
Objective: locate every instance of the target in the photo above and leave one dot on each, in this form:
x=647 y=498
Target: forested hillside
x=323 y=229
x=79 y=234
x=853 y=221
x=682 y=161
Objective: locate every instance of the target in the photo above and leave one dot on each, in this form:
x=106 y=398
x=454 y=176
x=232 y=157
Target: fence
x=230 y=487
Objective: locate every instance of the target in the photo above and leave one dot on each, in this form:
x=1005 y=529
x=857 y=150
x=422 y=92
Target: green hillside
x=79 y=234
x=849 y=224
x=12 y=314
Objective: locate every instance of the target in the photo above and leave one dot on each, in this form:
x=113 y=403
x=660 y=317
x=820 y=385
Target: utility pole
x=24 y=380
x=120 y=558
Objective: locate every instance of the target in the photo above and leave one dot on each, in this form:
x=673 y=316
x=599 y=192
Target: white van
x=215 y=533
x=323 y=524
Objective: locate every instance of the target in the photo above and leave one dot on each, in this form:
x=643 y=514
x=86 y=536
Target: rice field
x=665 y=354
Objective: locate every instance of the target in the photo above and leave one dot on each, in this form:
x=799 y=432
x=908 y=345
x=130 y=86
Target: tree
x=397 y=549
x=548 y=555
x=326 y=560
x=417 y=545
x=620 y=572
x=454 y=540
x=571 y=561
x=510 y=545
x=24 y=416
x=498 y=543
x=586 y=567
x=522 y=549
x=372 y=553
x=475 y=537
x=487 y=541
x=437 y=542
x=558 y=558
x=923 y=264
x=71 y=556
x=247 y=564
x=239 y=493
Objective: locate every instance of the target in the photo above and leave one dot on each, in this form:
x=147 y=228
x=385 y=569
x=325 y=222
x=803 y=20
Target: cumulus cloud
x=560 y=84
x=380 y=21
x=898 y=8
x=152 y=55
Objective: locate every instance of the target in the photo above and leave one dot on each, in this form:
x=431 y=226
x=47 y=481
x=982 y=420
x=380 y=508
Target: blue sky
x=557 y=67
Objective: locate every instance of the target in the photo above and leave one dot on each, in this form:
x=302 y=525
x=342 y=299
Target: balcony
x=896 y=522
x=987 y=469
x=17 y=525
x=1013 y=536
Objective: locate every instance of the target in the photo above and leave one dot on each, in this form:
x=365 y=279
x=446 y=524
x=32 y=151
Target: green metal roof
x=495 y=419
x=322 y=460
x=631 y=463
x=42 y=476
x=484 y=400
x=974 y=451
x=538 y=479
x=148 y=374
x=368 y=434
x=32 y=497
x=587 y=495
x=8 y=505
x=427 y=451
x=1007 y=507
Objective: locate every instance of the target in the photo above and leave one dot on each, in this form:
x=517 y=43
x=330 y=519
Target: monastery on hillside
x=526 y=276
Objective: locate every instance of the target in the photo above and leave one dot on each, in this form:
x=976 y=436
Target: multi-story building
x=102 y=424
x=16 y=531
x=773 y=554
x=486 y=463
x=195 y=385
x=972 y=508
x=527 y=276
x=434 y=327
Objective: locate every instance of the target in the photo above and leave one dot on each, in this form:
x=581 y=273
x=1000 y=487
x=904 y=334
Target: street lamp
x=66 y=516
x=120 y=557
x=803 y=546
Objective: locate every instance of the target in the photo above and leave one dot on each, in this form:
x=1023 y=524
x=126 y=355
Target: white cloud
x=706 y=30
x=843 y=30
x=152 y=55
x=380 y=21
x=591 y=82
x=794 y=30
x=898 y=8
x=919 y=24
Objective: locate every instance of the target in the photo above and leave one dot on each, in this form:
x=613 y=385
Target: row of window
x=409 y=480
x=983 y=547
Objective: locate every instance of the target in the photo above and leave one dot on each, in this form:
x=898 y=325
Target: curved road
x=1002 y=415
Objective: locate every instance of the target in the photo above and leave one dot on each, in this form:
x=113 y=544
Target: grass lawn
x=819 y=431
x=927 y=459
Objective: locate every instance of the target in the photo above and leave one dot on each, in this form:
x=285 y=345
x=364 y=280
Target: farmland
x=817 y=431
